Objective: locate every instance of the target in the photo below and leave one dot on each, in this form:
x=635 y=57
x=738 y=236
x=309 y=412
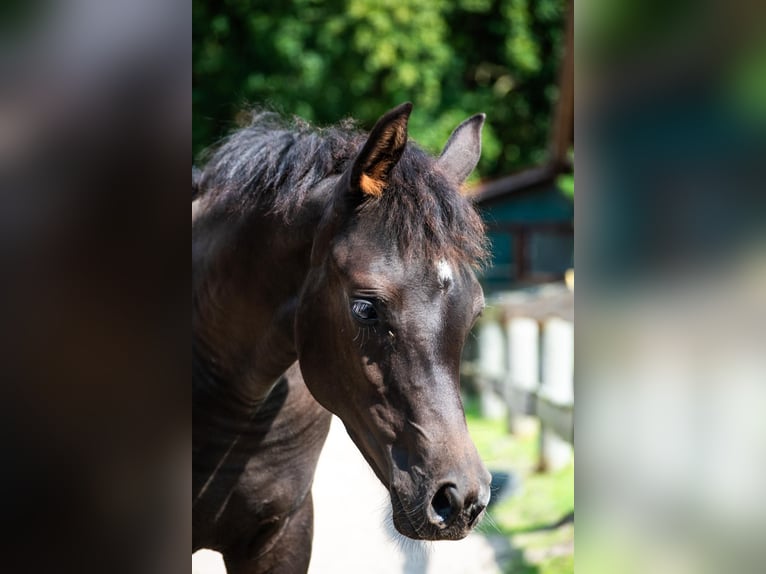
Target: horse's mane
x=272 y=165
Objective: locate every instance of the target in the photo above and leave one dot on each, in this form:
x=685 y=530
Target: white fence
x=522 y=365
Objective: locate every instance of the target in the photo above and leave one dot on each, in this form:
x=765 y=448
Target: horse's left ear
x=382 y=151
x=463 y=149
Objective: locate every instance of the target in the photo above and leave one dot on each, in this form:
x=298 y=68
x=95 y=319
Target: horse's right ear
x=381 y=152
x=463 y=149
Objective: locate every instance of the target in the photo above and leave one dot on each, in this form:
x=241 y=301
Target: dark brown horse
x=353 y=256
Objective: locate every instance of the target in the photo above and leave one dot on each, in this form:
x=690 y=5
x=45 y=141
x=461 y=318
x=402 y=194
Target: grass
x=529 y=517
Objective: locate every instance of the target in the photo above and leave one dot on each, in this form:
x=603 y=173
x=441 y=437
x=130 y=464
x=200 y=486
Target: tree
x=357 y=58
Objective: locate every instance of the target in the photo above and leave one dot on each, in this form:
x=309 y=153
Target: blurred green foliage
x=566 y=181
x=326 y=60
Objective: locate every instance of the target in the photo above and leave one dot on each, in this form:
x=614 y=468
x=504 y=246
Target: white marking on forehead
x=444 y=270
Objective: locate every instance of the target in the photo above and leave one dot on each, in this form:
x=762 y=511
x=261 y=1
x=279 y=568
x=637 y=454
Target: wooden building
x=530 y=219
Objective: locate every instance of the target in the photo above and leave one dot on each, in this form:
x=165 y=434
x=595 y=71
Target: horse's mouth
x=417 y=516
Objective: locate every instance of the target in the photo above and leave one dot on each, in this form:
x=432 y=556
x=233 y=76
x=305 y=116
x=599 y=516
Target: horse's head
x=389 y=300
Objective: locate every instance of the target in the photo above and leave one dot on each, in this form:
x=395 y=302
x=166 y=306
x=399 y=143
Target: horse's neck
x=246 y=283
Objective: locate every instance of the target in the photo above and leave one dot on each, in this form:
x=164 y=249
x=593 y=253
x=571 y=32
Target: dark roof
x=516 y=183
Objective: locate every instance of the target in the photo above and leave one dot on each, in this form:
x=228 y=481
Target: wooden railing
x=521 y=364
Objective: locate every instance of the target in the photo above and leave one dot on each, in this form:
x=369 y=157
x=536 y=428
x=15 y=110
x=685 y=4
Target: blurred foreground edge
x=94 y=117
x=671 y=257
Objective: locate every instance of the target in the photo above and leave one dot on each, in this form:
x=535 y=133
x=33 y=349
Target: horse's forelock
x=426 y=215
x=273 y=165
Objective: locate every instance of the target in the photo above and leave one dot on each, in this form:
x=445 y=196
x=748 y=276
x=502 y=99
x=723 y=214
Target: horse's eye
x=364 y=311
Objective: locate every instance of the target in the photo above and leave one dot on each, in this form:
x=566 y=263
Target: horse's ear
x=463 y=149
x=381 y=152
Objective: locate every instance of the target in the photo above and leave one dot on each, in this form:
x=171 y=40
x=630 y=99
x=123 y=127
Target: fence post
x=556 y=396
x=523 y=371
x=491 y=362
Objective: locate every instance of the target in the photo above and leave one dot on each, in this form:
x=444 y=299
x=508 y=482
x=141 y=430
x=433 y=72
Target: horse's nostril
x=446 y=504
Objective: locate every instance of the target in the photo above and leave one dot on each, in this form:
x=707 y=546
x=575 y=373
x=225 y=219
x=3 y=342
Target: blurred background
x=325 y=61
x=514 y=61
x=671 y=259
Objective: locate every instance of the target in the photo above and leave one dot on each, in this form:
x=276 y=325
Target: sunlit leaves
x=338 y=58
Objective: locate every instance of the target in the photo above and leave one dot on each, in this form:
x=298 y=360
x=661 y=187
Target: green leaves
x=358 y=58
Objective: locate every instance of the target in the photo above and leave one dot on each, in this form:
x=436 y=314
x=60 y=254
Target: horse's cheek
x=315 y=344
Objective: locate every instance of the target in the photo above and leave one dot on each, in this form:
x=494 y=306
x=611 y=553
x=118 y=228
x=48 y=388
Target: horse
x=332 y=272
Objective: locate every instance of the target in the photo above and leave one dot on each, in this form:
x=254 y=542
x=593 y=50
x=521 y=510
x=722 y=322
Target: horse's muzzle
x=449 y=506
x=448 y=514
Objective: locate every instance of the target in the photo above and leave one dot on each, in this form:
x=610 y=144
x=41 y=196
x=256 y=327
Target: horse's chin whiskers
x=414 y=515
x=420 y=550
x=384 y=507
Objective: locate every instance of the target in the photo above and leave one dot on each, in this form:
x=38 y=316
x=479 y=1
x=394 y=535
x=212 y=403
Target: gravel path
x=353 y=532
